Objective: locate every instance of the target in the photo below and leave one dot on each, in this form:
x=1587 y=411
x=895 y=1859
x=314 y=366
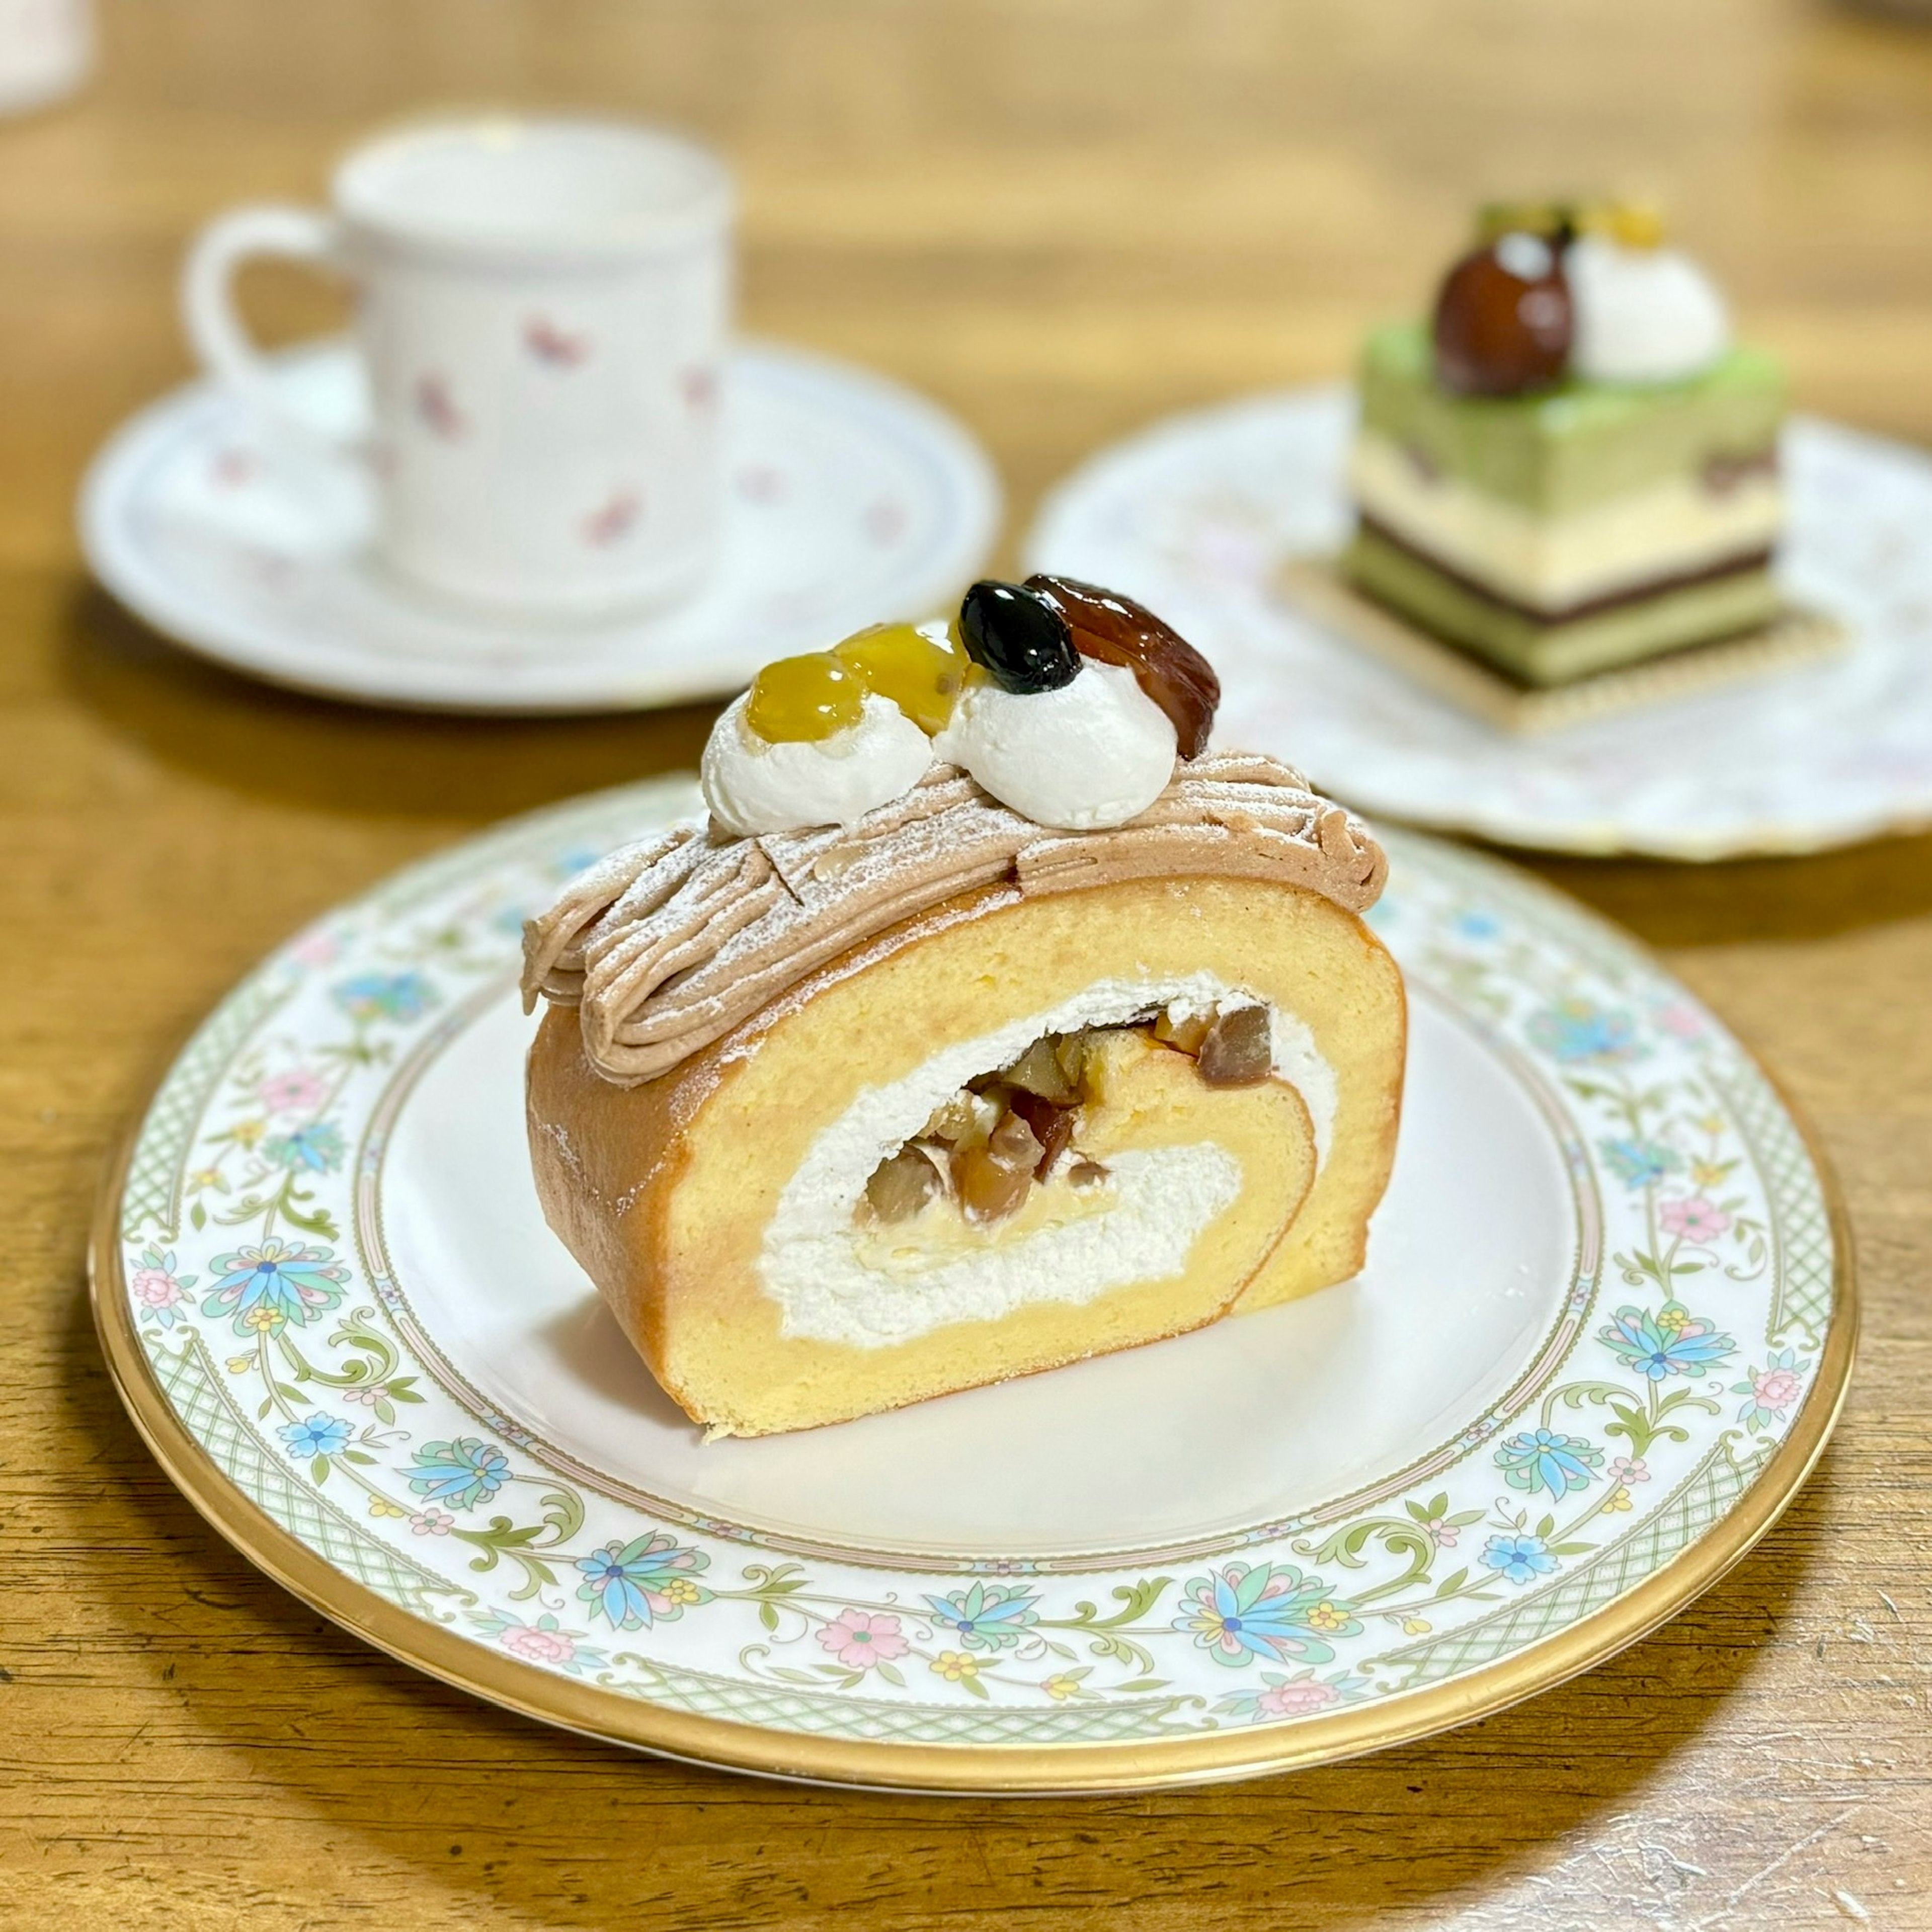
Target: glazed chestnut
x=1113 y=629
x=1019 y=639
x=1504 y=319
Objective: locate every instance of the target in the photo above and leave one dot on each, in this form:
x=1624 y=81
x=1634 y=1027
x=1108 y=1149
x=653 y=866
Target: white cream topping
x=1642 y=315
x=814 y=1261
x=1096 y=752
x=753 y=785
x=1671 y=526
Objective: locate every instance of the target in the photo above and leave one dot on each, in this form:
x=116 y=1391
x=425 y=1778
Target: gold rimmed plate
x=1605 y=1329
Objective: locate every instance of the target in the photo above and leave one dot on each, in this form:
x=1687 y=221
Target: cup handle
x=207 y=309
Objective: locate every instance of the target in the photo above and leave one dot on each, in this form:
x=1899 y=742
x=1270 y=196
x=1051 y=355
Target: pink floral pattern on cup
x=616 y=519
x=555 y=347
x=437 y=408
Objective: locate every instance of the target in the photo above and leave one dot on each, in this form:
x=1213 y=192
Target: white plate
x=1196 y=516
x=850 y=499
x=450 y=1448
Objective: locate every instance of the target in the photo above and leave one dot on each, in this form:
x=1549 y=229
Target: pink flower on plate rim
x=296 y=1091
x=1292 y=1700
x=1696 y=1219
x=539 y=1646
x=1776 y=1389
x=859 y=1639
x=1681 y=1021
x=318 y=948
x=155 y=1288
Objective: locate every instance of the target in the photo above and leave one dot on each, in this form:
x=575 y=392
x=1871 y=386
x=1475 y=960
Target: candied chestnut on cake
x=1504 y=318
x=915 y=1067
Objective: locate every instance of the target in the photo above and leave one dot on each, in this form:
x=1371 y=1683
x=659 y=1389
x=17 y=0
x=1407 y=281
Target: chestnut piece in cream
x=1114 y=629
x=1504 y=319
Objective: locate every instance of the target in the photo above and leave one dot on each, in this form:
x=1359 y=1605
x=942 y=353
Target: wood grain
x=1061 y=217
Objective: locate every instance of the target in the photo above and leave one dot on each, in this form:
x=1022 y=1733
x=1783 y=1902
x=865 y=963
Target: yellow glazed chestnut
x=922 y=674
x=803 y=699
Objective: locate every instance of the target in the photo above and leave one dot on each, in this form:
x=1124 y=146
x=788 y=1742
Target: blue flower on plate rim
x=385 y=996
x=1520 y=1557
x=267 y=1288
x=987 y=1616
x=462 y=1473
x=318 y=1146
x=1672 y=1341
x=649 y=1579
x=1640 y=1163
x=320 y=1436
x=1541 y=1459
x=1575 y=1032
x=1269 y=1610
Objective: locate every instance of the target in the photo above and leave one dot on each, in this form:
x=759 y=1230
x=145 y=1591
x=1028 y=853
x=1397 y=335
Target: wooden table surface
x=1061 y=217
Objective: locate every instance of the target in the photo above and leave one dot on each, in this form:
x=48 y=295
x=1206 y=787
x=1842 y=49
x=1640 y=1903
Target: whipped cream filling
x=753 y=785
x=1642 y=315
x=819 y=1263
x=1096 y=752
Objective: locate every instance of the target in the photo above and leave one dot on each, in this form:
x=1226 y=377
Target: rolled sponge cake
x=719 y=1207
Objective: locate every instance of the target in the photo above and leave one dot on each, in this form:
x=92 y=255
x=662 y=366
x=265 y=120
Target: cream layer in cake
x=838 y=1277
x=1668 y=528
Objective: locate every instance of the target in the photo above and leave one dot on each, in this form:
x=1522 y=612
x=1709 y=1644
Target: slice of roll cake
x=1034 y=1057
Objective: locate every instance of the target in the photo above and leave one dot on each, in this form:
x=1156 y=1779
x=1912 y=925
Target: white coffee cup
x=47 y=50
x=542 y=307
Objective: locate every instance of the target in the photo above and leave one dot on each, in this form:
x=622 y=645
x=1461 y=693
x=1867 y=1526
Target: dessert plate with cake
x=997 y=1242
x=1559 y=571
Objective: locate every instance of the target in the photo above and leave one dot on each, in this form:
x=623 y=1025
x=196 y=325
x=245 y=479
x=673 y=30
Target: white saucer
x=1197 y=516
x=851 y=499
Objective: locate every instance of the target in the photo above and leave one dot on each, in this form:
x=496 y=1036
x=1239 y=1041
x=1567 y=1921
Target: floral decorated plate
x=1199 y=515
x=1606 y=1326
x=847 y=495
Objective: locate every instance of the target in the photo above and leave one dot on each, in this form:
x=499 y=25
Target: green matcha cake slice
x=1554 y=500
x=1572 y=466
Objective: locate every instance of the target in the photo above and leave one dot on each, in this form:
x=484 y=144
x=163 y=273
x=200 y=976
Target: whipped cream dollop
x=1095 y=753
x=754 y=785
x=1641 y=315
